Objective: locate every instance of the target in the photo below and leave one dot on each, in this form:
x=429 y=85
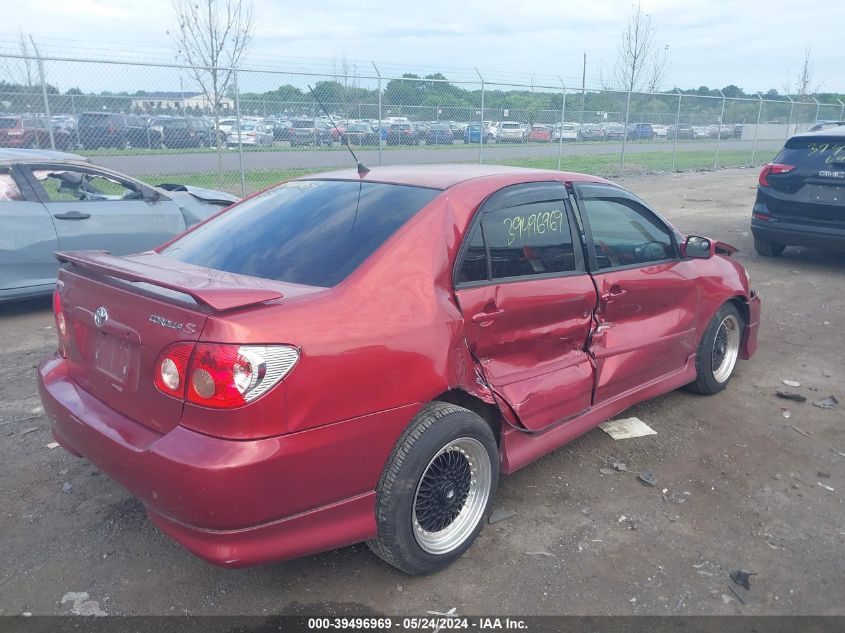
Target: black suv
x=801 y=195
x=105 y=129
x=186 y=132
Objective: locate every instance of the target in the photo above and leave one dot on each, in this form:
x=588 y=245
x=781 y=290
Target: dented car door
x=647 y=295
x=528 y=303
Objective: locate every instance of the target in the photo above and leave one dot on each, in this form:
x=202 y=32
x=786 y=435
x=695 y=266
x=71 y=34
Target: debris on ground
x=785 y=412
x=67 y=487
x=790 y=395
x=607 y=471
x=827 y=403
x=840 y=453
x=801 y=431
x=825 y=486
x=823 y=474
x=736 y=593
x=620 y=466
x=742 y=577
x=791 y=383
x=82 y=604
x=648 y=479
x=500 y=515
x=726 y=598
x=53 y=445
x=627 y=428
x=546 y=554
x=31 y=429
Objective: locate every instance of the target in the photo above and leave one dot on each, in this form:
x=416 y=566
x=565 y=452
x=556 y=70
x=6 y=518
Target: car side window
x=530 y=239
x=521 y=240
x=9 y=190
x=71 y=185
x=625 y=233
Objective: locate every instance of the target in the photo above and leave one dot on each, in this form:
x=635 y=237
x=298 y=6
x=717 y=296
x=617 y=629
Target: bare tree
x=804 y=85
x=212 y=36
x=657 y=69
x=22 y=71
x=636 y=51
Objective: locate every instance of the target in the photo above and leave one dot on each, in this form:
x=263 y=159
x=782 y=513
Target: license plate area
x=113 y=357
x=825 y=194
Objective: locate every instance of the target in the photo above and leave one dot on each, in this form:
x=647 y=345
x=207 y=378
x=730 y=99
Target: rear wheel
x=717 y=352
x=436 y=490
x=768 y=248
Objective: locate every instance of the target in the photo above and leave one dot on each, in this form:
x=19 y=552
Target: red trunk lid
x=122 y=312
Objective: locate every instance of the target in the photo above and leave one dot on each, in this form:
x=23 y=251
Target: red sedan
x=342 y=358
x=540 y=133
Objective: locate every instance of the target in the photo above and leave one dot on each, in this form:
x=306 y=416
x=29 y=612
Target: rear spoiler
x=218 y=292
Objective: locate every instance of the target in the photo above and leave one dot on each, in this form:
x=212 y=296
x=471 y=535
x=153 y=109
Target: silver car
x=50 y=201
x=511 y=132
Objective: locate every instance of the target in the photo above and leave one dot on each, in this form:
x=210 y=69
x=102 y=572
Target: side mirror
x=698 y=247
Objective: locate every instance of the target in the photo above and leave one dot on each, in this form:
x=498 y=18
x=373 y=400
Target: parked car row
x=95 y=130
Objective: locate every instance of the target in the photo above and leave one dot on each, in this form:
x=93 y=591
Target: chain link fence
x=166 y=123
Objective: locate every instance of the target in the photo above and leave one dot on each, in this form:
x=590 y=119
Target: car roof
x=19 y=155
x=828 y=131
x=445 y=176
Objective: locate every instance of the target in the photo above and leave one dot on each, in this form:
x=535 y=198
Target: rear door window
x=309 y=232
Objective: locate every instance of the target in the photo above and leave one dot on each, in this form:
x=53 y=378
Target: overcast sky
x=754 y=44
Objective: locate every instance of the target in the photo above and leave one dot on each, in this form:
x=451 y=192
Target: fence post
x=73 y=111
x=378 y=74
x=841 y=109
x=624 y=137
x=562 y=118
x=677 y=122
x=44 y=94
x=238 y=117
x=482 y=131
x=719 y=132
x=789 y=122
x=757 y=128
x=818 y=107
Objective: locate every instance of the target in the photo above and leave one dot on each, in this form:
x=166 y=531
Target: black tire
x=767 y=248
x=707 y=382
x=437 y=426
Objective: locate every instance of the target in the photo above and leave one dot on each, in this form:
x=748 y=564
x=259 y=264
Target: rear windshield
x=96 y=119
x=813 y=151
x=313 y=232
x=510 y=126
x=303 y=124
x=9 y=122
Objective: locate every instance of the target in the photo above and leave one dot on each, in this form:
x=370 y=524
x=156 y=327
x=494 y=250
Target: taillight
x=171 y=369
x=222 y=376
x=773 y=169
x=61 y=325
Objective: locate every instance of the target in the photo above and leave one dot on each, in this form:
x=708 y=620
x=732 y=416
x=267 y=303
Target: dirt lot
x=741 y=481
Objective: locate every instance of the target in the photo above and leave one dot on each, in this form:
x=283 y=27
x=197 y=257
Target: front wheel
x=717 y=352
x=436 y=489
x=767 y=248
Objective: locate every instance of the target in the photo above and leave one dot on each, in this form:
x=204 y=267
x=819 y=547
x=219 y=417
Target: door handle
x=72 y=215
x=483 y=317
x=614 y=293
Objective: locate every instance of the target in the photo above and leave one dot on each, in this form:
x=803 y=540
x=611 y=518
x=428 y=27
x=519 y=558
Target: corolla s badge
x=101 y=315
x=188 y=328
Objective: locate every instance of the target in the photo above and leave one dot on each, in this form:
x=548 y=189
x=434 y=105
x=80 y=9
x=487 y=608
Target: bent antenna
x=363 y=170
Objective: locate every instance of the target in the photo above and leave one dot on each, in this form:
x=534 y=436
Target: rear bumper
x=234 y=503
x=799 y=234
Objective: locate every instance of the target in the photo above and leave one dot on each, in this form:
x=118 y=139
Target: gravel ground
x=741 y=480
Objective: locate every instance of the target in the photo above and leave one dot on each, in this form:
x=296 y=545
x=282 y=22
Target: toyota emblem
x=101 y=316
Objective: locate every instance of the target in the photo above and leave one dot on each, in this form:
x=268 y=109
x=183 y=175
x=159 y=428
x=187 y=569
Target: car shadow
x=25 y=306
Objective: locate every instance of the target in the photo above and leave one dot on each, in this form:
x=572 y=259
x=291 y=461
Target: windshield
x=7 y=123
x=313 y=232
